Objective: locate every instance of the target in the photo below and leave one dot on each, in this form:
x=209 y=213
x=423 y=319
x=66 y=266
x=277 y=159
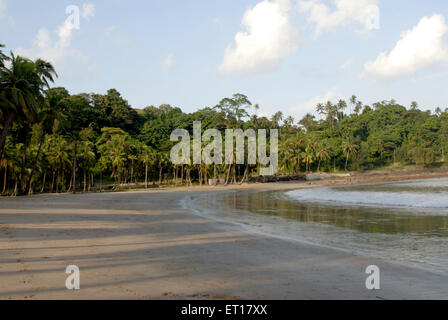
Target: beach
x=146 y=245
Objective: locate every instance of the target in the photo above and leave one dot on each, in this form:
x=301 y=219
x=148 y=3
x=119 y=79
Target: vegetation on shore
x=53 y=141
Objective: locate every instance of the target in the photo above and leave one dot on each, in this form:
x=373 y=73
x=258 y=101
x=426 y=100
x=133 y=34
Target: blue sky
x=289 y=56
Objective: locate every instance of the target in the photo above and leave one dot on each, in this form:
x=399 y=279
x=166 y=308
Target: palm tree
x=163 y=160
x=117 y=153
x=349 y=149
x=358 y=107
x=132 y=158
x=308 y=157
x=86 y=157
x=146 y=157
x=322 y=153
x=3 y=57
x=22 y=96
x=18 y=96
x=353 y=101
x=59 y=156
x=49 y=112
x=7 y=163
x=276 y=118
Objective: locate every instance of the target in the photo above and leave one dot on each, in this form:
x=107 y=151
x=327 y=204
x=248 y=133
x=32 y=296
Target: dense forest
x=53 y=141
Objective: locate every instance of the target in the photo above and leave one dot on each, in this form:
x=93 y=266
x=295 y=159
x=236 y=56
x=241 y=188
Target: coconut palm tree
x=322 y=153
x=8 y=163
x=86 y=157
x=349 y=148
x=3 y=58
x=23 y=86
x=18 y=96
x=146 y=157
x=58 y=154
x=49 y=112
x=308 y=158
x=163 y=160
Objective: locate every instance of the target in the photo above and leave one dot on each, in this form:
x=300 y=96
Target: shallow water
x=405 y=222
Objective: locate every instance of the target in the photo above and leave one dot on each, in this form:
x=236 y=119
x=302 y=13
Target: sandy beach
x=145 y=245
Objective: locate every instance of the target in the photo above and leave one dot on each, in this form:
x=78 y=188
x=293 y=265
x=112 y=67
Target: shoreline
x=354 y=178
x=144 y=245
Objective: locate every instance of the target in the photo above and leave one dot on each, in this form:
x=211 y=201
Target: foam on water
x=430 y=194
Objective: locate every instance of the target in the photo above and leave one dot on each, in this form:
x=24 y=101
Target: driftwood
x=271 y=179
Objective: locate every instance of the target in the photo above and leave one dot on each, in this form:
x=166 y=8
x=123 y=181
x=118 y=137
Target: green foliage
x=53 y=135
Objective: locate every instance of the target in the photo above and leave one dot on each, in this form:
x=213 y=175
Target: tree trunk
x=6 y=126
x=189 y=176
x=52 y=181
x=85 y=181
x=43 y=182
x=63 y=181
x=146 y=175
x=30 y=192
x=36 y=160
x=228 y=175
x=4 y=179
x=71 y=184
x=182 y=175
x=57 y=182
x=346 y=162
x=74 y=169
x=15 y=188
x=132 y=171
x=245 y=174
x=22 y=174
x=160 y=175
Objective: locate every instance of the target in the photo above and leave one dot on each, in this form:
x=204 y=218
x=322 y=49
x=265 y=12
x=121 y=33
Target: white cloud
x=168 y=63
x=269 y=36
x=364 y=13
x=347 y=64
x=3 y=16
x=2 y=8
x=55 y=51
x=419 y=49
x=299 y=110
x=88 y=10
x=111 y=29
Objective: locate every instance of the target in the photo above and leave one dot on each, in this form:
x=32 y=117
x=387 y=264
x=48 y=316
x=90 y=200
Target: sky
x=285 y=55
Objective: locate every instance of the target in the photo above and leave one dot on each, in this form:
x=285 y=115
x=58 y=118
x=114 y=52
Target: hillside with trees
x=55 y=141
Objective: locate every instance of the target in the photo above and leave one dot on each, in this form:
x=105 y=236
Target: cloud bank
x=419 y=49
x=168 y=63
x=364 y=13
x=58 y=50
x=269 y=37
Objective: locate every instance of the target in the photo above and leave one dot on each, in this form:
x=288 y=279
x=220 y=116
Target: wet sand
x=144 y=245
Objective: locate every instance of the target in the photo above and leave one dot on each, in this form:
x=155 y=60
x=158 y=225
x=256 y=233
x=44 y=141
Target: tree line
x=53 y=141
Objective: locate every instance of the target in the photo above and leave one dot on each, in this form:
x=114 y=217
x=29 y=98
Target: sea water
x=405 y=222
